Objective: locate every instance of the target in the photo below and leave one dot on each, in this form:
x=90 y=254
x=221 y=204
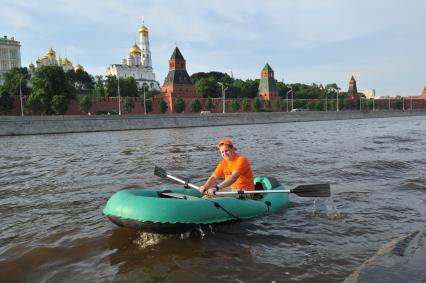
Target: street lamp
x=403 y=104
x=292 y=98
x=287 y=99
x=20 y=96
x=119 y=98
x=326 y=102
x=224 y=88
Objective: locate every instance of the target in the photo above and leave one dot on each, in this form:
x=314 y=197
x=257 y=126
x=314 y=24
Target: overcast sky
x=382 y=43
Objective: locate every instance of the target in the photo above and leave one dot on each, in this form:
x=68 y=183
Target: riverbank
x=34 y=125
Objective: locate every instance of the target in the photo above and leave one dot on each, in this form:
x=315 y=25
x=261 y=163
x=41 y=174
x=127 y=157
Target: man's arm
x=228 y=182
x=210 y=181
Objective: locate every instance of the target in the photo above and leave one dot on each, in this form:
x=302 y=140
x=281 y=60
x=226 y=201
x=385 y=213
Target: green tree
x=80 y=80
x=208 y=105
x=47 y=82
x=59 y=104
x=148 y=103
x=251 y=87
x=99 y=86
x=128 y=104
x=208 y=87
x=235 y=106
x=16 y=80
x=111 y=86
x=128 y=87
x=257 y=105
x=195 y=106
x=85 y=104
x=179 y=105
x=163 y=106
x=6 y=100
x=246 y=104
x=37 y=103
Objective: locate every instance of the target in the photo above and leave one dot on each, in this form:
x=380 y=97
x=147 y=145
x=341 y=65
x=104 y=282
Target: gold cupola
x=66 y=62
x=143 y=29
x=135 y=50
x=51 y=53
x=78 y=67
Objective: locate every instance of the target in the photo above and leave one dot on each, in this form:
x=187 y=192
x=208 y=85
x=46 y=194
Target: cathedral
x=137 y=64
x=49 y=59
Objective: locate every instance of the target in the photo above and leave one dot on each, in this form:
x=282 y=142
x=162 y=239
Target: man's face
x=227 y=152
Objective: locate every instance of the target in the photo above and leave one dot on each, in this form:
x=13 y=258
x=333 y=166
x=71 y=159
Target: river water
x=53 y=189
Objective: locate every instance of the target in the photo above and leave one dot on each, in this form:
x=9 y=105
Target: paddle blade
x=160 y=172
x=315 y=190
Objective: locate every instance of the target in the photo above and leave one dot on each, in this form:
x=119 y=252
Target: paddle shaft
x=240 y=192
x=312 y=190
x=182 y=181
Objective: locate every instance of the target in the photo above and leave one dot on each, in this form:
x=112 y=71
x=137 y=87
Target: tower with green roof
x=267 y=85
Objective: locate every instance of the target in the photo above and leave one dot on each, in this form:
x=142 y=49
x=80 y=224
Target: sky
x=381 y=42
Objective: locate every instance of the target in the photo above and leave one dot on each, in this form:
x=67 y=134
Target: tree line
x=49 y=89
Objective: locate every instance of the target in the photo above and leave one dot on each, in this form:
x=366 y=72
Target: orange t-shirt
x=240 y=164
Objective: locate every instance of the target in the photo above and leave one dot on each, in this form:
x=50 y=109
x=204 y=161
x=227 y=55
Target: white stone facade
x=369 y=93
x=137 y=64
x=10 y=55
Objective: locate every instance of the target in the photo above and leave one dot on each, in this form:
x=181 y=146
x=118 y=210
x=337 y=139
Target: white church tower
x=138 y=63
x=144 y=45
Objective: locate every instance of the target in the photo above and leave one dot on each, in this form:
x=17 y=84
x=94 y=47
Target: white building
x=10 y=55
x=369 y=93
x=49 y=59
x=137 y=64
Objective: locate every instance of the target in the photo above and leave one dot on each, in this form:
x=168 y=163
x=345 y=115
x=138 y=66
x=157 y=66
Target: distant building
x=352 y=91
x=178 y=83
x=369 y=93
x=49 y=59
x=10 y=55
x=267 y=85
x=137 y=64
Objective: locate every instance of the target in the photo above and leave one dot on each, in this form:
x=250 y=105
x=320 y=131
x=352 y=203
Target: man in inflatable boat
x=234 y=168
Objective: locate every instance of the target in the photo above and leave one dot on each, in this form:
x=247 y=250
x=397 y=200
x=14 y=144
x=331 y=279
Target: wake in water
x=145 y=239
x=326 y=208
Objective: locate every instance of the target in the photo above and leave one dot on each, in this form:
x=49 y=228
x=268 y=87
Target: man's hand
x=202 y=189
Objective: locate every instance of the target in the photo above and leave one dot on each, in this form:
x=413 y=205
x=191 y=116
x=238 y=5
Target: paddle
x=314 y=190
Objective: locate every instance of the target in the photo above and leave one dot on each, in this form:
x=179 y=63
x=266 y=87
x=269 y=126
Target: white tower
x=144 y=46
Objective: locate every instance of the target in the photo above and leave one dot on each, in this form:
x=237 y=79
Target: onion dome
x=51 y=53
x=135 y=50
x=78 y=67
x=66 y=62
x=38 y=61
x=31 y=66
x=143 y=29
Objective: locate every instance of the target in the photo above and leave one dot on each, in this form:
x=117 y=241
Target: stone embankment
x=34 y=125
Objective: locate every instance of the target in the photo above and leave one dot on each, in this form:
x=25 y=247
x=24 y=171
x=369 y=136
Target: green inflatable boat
x=182 y=209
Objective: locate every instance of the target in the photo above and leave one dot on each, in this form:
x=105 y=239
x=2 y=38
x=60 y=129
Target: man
x=233 y=167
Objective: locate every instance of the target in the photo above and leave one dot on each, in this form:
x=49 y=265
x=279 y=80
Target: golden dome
x=38 y=61
x=143 y=29
x=44 y=58
x=51 y=52
x=78 y=67
x=135 y=49
x=66 y=62
x=31 y=66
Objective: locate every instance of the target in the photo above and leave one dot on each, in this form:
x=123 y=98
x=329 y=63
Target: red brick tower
x=352 y=91
x=267 y=86
x=178 y=83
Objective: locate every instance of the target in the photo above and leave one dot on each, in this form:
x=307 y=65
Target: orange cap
x=225 y=142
